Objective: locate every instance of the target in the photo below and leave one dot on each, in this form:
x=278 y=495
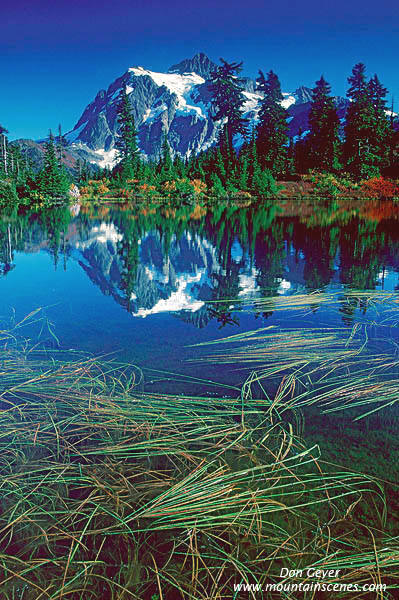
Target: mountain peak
x=200 y=63
x=303 y=94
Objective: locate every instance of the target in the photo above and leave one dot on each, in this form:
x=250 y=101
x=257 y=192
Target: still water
x=143 y=284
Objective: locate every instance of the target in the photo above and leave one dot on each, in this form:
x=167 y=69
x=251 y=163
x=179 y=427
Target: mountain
x=199 y=64
x=34 y=153
x=174 y=102
x=177 y=103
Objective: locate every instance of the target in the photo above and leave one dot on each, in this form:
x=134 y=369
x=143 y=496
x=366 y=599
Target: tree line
x=362 y=146
x=18 y=178
x=246 y=157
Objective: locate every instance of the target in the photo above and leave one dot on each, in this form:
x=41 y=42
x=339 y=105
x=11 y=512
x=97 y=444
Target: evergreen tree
x=165 y=164
x=242 y=169
x=382 y=130
x=263 y=183
x=52 y=180
x=147 y=172
x=17 y=170
x=323 y=139
x=253 y=159
x=272 y=128
x=228 y=99
x=126 y=143
x=217 y=188
x=3 y=150
x=301 y=153
x=220 y=167
x=179 y=167
x=290 y=166
x=60 y=145
x=359 y=149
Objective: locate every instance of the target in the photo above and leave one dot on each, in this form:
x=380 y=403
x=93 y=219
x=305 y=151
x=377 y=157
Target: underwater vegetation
x=107 y=491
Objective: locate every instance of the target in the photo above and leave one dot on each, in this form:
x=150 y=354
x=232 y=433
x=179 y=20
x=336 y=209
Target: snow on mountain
x=177 y=103
x=181 y=85
x=107 y=158
x=252 y=105
x=288 y=100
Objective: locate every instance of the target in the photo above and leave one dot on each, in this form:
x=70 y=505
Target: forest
x=355 y=158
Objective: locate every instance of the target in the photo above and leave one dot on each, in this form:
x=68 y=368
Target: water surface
x=144 y=283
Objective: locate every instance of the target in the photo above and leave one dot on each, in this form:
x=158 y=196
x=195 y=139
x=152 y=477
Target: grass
x=110 y=492
x=333 y=367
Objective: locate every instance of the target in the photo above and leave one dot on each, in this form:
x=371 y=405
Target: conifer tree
x=217 y=188
x=52 y=180
x=253 y=159
x=381 y=133
x=290 y=168
x=126 y=144
x=60 y=146
x=301 y=153
x=359 y=150
x=228 y=99
x=263 y=182
x=3 y=150
x=242 y=169
x=165 y=164
x=272 y=128
x=178 y=166
x=221 y=171
x=323 y=139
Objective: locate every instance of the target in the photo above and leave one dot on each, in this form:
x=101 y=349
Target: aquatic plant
x=111 y=492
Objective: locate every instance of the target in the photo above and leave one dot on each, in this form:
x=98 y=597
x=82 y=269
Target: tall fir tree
x=382 y=131
x=165 y=165
x=179 y=166
x=52 y=180
x=60 y=146
x=272 y=138
x=3 y=151
x=126 y=143
x=228 y=99
x=359 y=150
x=323 y=139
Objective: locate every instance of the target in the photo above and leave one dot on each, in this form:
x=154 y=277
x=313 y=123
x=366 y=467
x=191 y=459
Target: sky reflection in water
x=142 y=284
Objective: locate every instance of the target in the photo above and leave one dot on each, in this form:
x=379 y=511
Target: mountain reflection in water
x=200 y=264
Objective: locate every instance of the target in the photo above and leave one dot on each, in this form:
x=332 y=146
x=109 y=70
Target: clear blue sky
x=55 y=56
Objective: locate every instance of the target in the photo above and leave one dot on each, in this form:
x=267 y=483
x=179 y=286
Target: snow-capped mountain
x=176 y=103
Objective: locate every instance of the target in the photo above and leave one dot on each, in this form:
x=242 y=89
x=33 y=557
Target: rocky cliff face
x=176 y=103
x=34 y=153
x=199 y=64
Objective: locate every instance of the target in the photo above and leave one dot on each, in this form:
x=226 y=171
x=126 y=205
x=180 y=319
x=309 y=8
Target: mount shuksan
x=178 y=103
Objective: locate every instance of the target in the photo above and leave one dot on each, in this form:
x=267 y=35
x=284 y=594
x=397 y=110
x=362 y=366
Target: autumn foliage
x=378 y=187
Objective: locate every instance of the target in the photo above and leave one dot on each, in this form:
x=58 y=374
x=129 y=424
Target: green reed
x=107 y=491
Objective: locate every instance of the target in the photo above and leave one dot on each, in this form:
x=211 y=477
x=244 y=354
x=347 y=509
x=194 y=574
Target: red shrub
x=378 y=187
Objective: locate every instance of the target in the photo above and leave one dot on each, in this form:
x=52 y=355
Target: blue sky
x=55 y=56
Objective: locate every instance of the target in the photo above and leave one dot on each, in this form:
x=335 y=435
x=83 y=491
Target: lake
x=263 y=331
x=143 y=284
